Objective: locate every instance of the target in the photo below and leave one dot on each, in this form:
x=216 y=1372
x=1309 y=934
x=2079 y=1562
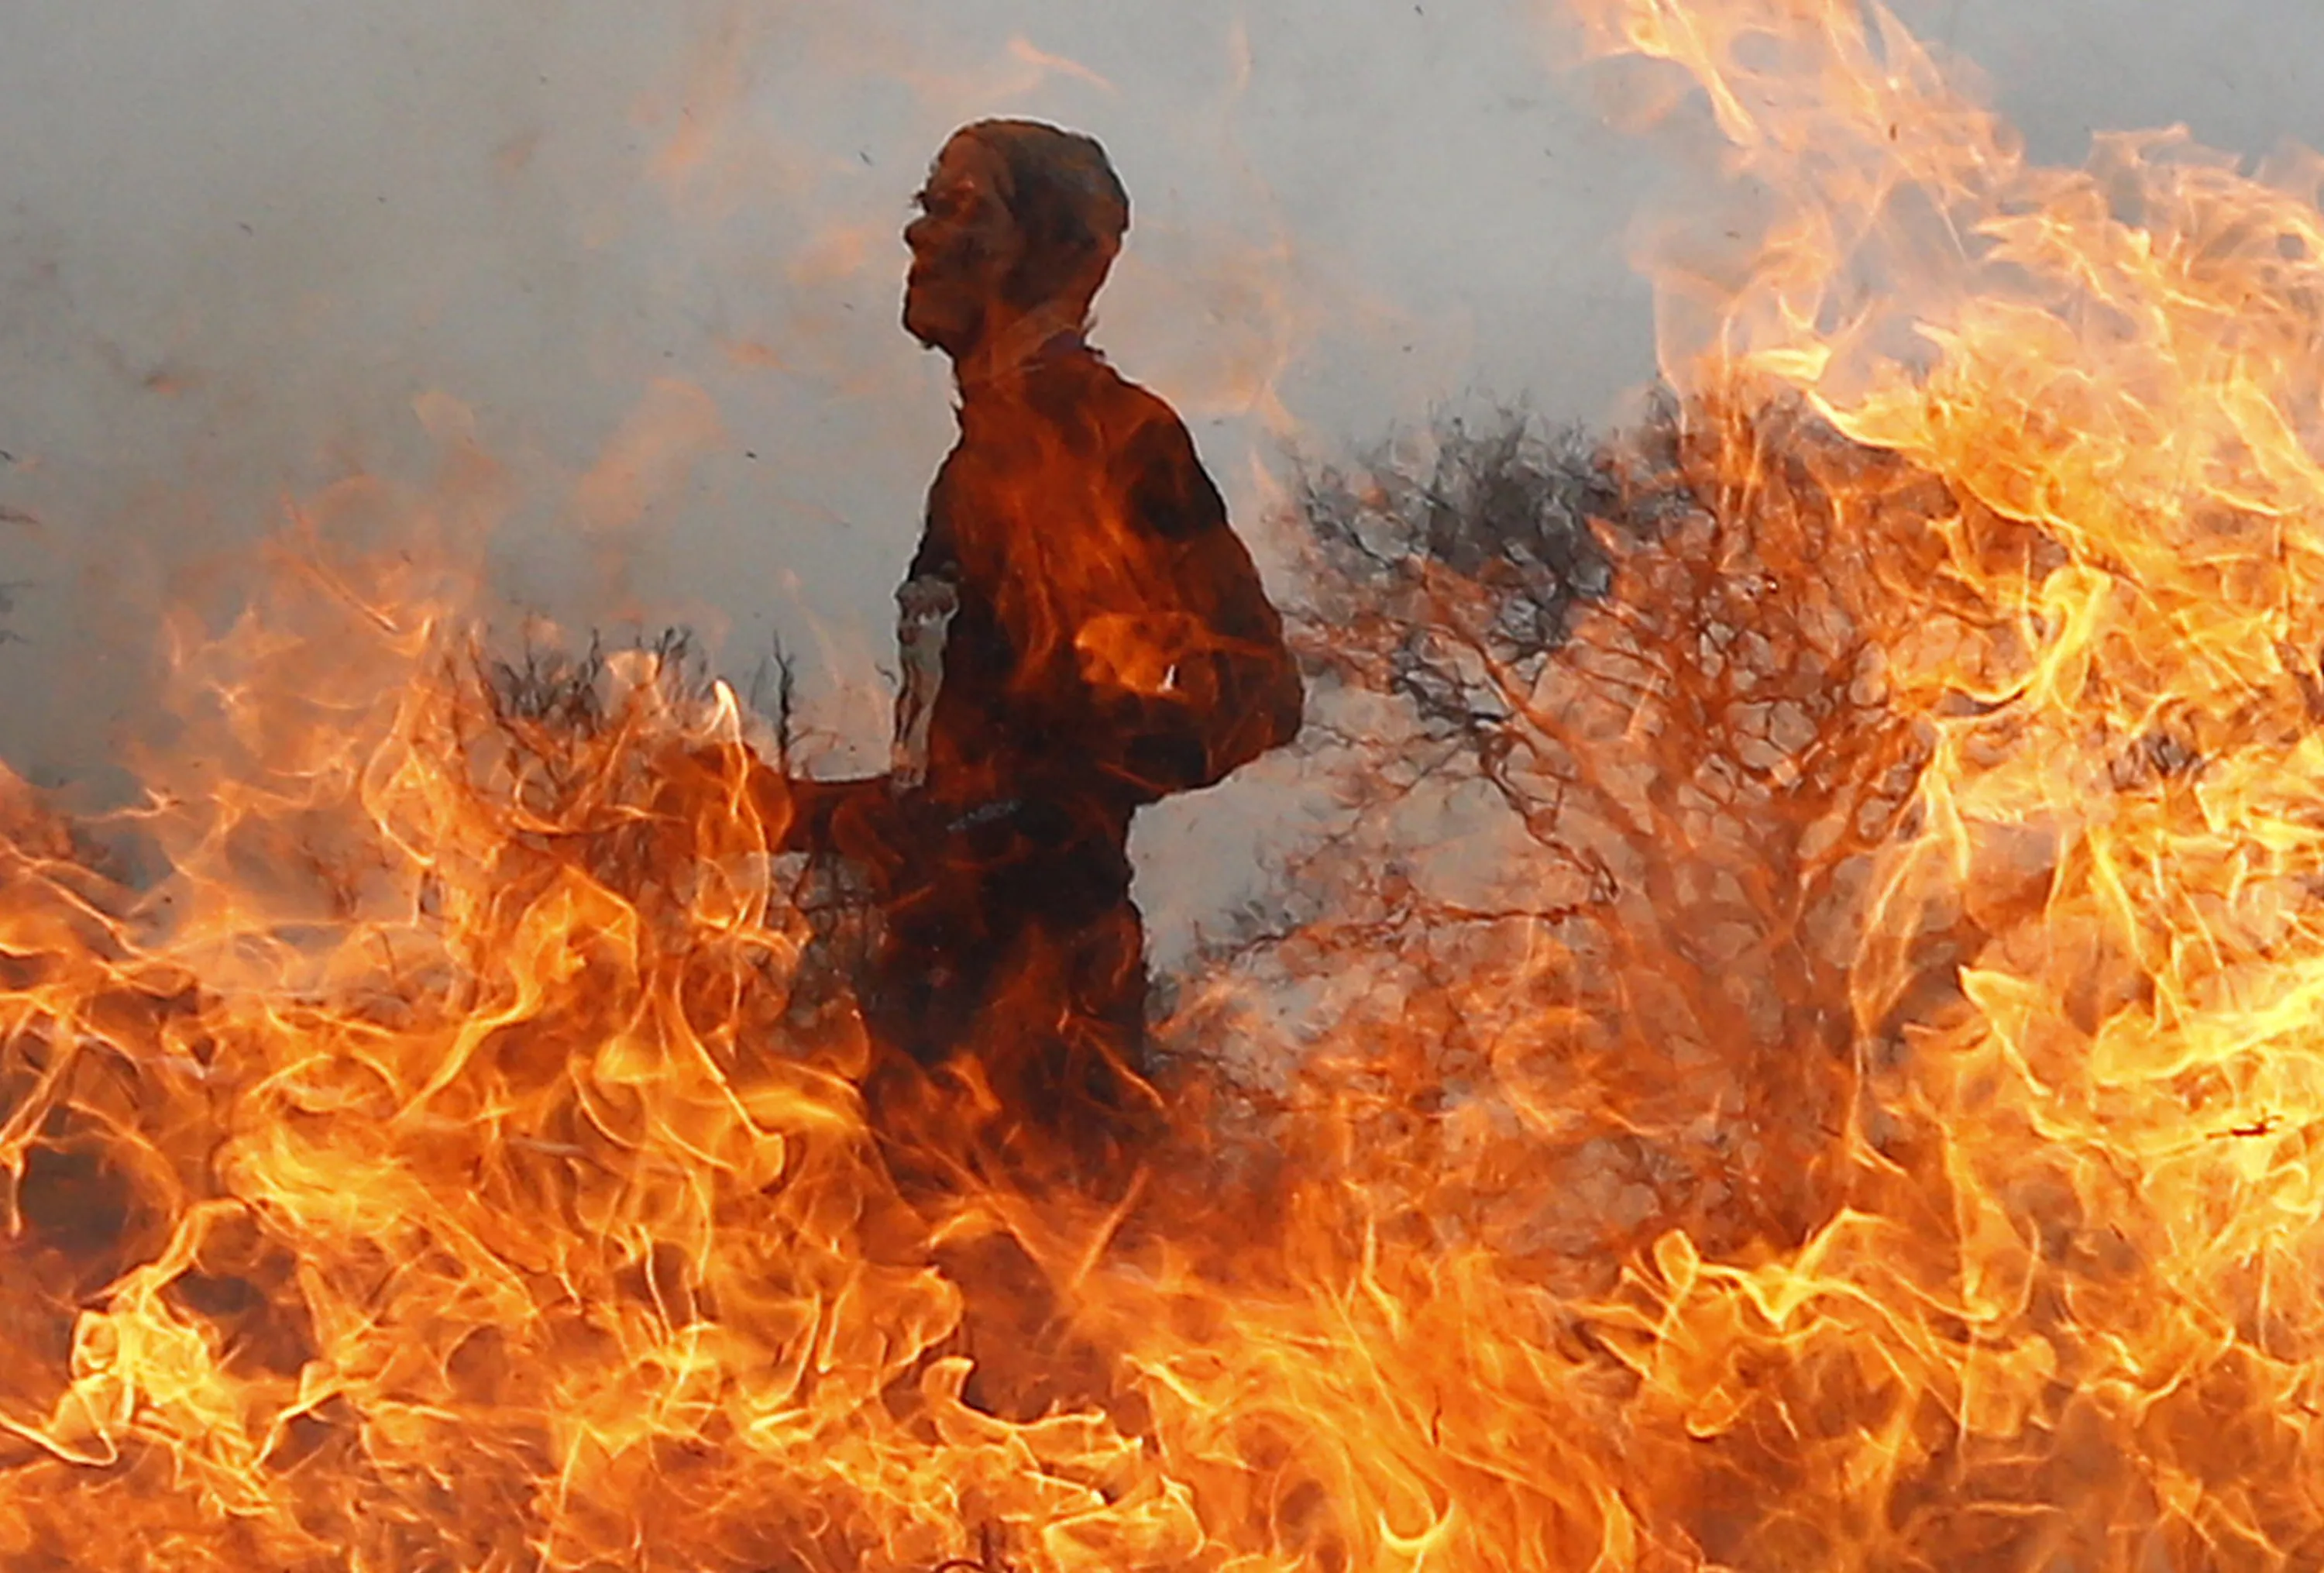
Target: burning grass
x=1800 y=1052
x=437 y=1169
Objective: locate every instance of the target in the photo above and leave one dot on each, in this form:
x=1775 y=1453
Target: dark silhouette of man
x=1082 y=634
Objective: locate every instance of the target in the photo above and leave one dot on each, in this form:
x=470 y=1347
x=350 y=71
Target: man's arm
x=1221 y=689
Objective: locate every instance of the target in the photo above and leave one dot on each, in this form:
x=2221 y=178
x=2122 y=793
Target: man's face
x=964 y=246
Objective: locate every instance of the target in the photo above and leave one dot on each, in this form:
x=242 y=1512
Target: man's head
x=1018 y=219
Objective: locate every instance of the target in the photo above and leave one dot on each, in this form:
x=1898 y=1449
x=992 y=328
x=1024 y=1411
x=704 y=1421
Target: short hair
x=1068 y=202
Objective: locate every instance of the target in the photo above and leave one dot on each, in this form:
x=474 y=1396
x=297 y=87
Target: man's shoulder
x=1093 y=385
x=1141 y=441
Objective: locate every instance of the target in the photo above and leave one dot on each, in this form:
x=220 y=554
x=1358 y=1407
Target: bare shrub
x=1606 y=724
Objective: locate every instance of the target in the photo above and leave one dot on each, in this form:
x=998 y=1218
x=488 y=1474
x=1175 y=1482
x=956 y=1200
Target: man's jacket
x=1112 y=643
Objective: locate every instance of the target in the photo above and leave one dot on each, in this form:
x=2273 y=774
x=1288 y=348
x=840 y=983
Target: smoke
x=649 y=255
x=2240 y=74
x=610 y=289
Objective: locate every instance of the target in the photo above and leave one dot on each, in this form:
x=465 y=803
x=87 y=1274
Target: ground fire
x=1800 y=1052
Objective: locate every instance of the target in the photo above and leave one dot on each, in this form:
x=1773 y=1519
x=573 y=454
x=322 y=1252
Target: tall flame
x=1866 y=1117
x=2085 y=993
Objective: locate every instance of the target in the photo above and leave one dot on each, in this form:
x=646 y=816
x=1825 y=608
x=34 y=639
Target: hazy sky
x=645 y=257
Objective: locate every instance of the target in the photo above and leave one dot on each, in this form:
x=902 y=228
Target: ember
x=1800 y=1055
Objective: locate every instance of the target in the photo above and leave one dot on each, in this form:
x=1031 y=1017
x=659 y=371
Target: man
x=1083 y=634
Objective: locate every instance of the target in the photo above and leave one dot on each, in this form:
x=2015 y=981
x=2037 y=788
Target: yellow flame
x=1879 y=1130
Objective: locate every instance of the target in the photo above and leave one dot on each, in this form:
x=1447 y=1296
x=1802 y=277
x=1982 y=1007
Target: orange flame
x=1863 y=1117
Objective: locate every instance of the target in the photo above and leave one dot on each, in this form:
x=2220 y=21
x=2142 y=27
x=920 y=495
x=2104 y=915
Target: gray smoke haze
x=645 y=258
x=242 y=243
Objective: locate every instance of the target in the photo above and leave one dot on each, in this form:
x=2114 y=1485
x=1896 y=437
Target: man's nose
x=916 y=233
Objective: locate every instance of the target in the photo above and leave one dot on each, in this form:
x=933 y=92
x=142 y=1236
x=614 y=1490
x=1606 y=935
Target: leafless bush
x=1502 y=509
x=1607 y=723
x=544 y=687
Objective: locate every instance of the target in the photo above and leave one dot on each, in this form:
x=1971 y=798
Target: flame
x=2082 y=999
x=1863 y=1117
